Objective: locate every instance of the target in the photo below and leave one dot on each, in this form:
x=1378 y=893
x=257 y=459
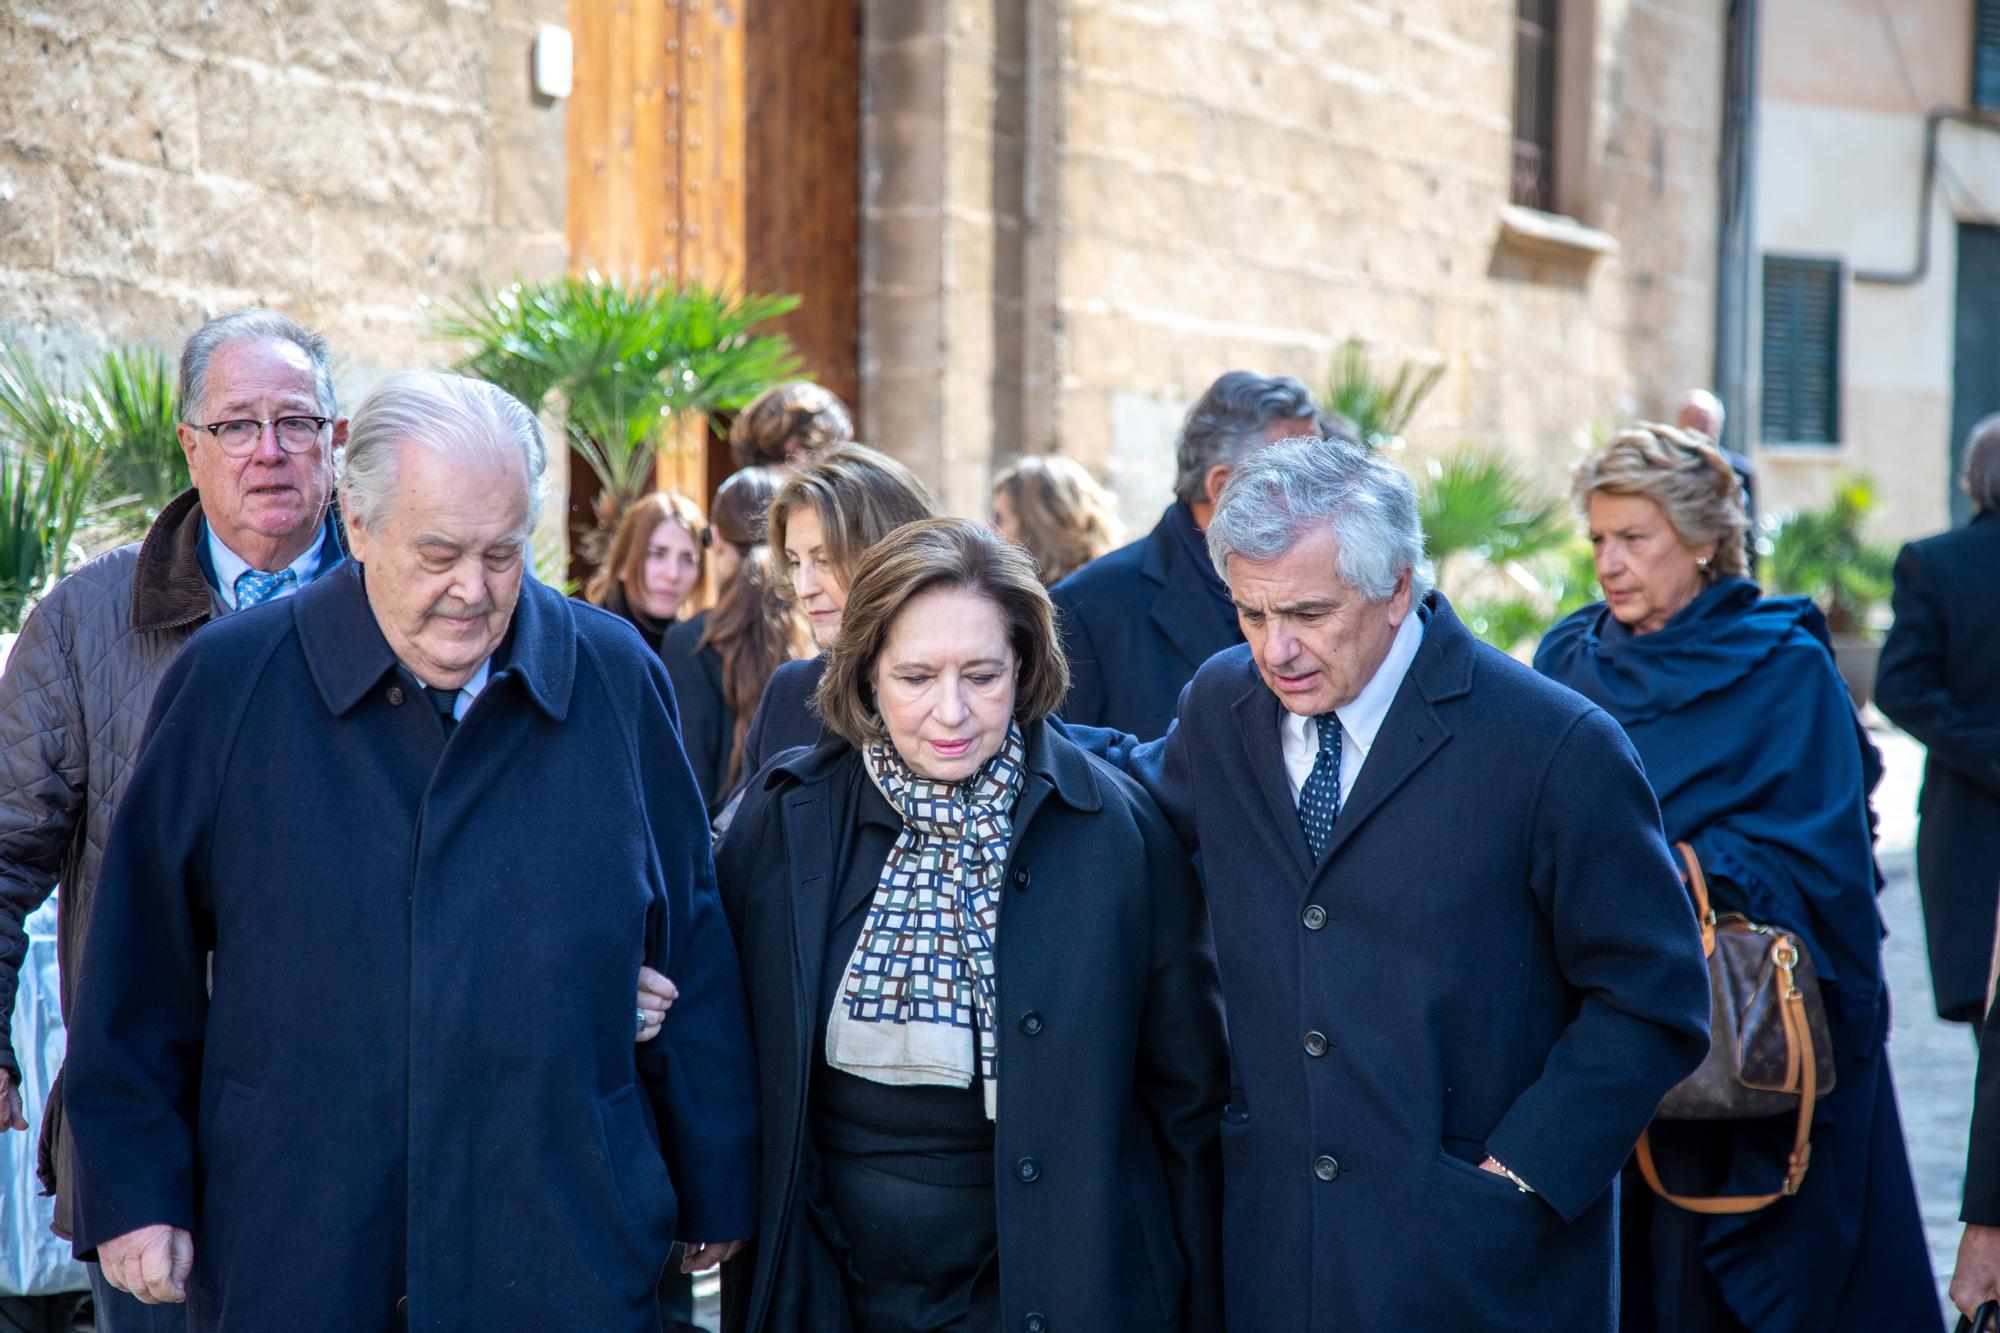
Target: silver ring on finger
x=644 y=1018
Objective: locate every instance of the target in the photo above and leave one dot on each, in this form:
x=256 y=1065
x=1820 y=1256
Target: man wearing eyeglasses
x=259 y=429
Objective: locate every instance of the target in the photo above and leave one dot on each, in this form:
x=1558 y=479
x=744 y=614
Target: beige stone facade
x=165 y=160
x=1078 y=212
x=1075 y=213
x=1844 y=90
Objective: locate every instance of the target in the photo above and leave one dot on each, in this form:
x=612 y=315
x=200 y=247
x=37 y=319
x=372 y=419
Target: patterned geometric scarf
x=917 y=1005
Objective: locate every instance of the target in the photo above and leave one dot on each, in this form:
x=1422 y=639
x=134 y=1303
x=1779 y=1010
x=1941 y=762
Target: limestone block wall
x=165 y=160
x=1078 y=212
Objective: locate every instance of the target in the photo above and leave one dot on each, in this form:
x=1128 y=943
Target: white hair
x=1276 y=495
x=450 y=415
x=251 y=323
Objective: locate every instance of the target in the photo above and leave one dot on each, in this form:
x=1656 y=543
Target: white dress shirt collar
x=1360 y=719
x=230 y=566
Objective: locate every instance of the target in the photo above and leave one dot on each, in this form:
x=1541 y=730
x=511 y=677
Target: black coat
x=708 y=724
x=1493 y=955
x=785 y=718
x=414 y=1075
x=1135 y=625
x=1939 y=680
x=1114 y=1092
x=1982 y=1163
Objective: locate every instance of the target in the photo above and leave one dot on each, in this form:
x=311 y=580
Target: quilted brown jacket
x=73 y=705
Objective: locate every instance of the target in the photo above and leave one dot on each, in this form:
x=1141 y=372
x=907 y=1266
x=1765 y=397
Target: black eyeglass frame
x=215 y=429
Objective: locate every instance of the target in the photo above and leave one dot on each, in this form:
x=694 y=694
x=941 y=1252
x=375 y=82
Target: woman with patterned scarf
x=982 y=984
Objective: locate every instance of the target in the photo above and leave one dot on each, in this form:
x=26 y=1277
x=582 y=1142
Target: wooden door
x=721 y=143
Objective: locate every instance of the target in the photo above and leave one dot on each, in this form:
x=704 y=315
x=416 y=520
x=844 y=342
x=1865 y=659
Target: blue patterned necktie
x=1319 y=796
x=254 y=586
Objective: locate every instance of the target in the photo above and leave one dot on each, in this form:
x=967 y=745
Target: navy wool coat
x=1135 y=624
x=1492 y=955
x=708 y=725
x=1111 y=1058
x=1751 y=744
x=413 y=1094
x=1939 y=680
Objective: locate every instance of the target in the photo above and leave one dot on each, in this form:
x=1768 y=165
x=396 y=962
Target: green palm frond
x=1480 y=501
x=621 y=361
x=1825 y=554
x=137 y=406
x=49 y=452
x=1379 y=406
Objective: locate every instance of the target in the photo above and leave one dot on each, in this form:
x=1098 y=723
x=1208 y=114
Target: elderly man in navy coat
x=1459 y=968
x=427 y=819
x=1137 y=622
x=1939 y=680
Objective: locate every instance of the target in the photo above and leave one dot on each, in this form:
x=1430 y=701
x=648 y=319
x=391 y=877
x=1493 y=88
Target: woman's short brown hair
x=940 y=553
x=860 y=496
x=1066 y=519
x=626 y=561
x=1687 y=477
x=798 y=414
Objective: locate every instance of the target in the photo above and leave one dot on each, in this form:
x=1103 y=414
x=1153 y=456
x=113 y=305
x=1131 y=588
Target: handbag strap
x=1801 y=1066
x=1704 y=911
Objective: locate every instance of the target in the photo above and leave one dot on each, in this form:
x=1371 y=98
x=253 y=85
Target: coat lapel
x=1182 y=608
x=1413 y=731
x=1257 y=722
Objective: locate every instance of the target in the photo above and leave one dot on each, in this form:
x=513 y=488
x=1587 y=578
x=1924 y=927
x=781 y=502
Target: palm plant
x=1825 y=554
x=48 y=461
x=136 y=404
x=1379 y=407
x=623 y=362
x=1480 y=502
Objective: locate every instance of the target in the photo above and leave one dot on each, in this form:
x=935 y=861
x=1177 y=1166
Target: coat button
x=1314 y=917
x=1326 y=1168
x=1315 y=1044
x=1031 y=1023
x=1035 y=1323
x=395 y=696
x=1021 y=877
x=1027 y=1171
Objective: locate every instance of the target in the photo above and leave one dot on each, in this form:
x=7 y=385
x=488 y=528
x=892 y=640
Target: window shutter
x=1801 y=399
x=1986 y=54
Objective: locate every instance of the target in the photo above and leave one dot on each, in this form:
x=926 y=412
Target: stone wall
x=165 y=160
x=1078 y=212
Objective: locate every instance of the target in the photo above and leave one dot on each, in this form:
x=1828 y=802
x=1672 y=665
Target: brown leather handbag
x=1769 y=1049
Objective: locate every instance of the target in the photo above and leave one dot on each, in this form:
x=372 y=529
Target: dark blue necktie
x=446 y=703
x=1319 y=796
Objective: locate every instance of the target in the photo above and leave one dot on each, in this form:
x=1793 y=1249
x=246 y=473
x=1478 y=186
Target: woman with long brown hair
x=654 y=565
x=720 y=660
x=1052 y=508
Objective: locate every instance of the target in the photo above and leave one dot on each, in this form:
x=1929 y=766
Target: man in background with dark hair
x=1137 y=622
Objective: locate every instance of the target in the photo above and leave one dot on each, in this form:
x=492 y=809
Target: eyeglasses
x=241 y=438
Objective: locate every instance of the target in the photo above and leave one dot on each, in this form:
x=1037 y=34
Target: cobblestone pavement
x=1932 y=1060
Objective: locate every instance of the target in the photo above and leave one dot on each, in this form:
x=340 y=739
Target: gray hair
x=1234 y=418
x=1982 y=465
x=236 y=326
x=450 y=415
x=1276 y=495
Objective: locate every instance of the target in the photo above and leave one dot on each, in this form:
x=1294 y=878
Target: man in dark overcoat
x=1939 y=680
x=355 y=1050
x=1459 y=968
x=1138 y=621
